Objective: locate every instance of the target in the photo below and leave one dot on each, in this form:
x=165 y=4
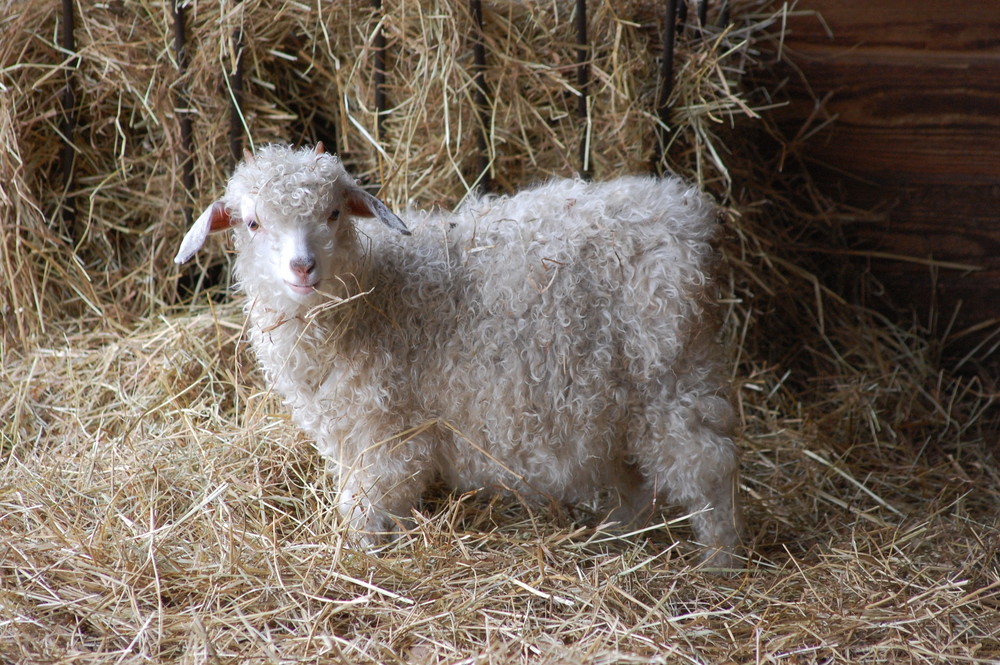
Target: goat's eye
x=334 y=215
x=253 y=224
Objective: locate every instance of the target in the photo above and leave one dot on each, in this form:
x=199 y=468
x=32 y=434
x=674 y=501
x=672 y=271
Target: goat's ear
x=360 y=203
x=215 y=218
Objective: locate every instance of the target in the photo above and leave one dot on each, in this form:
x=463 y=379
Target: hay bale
x=308 y=75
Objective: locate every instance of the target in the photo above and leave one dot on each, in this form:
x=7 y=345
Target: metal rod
x=235 y=79
x=582 y=84
x=481 y=97
x=67 y=125
x=380 y=104
x=666 y=82
x=723 y=14
x=183 y=111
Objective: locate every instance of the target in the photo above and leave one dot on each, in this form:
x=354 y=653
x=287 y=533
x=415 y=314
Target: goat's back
x=546 y=315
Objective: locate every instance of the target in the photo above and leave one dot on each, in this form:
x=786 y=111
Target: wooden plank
x=914 y=86
x=900 y=121
x=930 y=229
x=944 y=222
x=958 y=304
x=968 y=26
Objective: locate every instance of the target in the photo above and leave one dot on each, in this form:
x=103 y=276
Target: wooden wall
x=915 y=88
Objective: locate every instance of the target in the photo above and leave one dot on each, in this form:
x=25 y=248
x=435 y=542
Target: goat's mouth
x=301 y=289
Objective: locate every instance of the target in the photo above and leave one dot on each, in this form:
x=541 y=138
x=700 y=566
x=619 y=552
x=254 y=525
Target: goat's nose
x=303 y=267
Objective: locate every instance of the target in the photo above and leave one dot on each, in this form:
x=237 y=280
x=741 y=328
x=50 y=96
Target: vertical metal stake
x=723 y=14
x=236 y=91
x=379 y=76
x=666 y=83
x=67 y=125
x=183 y=112
x=481 y=98
x=582 y=84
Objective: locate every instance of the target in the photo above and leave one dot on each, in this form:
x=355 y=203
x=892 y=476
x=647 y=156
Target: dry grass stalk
x=156 y=504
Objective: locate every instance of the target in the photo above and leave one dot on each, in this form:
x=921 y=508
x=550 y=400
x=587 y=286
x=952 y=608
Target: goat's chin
x=299 y=294
x=281 y=295
x=300 y=291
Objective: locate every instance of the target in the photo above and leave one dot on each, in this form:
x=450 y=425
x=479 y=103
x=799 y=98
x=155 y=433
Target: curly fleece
x=559 y=343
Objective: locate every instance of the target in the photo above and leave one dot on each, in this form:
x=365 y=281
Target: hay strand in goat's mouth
x=157 y=505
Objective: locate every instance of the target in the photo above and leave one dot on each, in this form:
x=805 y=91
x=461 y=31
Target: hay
x=157 y=505
x=308 y=75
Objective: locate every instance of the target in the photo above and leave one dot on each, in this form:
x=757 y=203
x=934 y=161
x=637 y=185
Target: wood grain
x=913 y=88
x=899 y=121
x=966 y=26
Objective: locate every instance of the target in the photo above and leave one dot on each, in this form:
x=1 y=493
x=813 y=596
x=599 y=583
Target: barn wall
x=915 y=88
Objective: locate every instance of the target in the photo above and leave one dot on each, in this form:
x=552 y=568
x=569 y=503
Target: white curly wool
x=559 y=343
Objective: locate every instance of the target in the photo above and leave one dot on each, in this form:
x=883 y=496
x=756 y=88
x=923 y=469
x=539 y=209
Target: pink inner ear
x=356 y=205
x=219 y=218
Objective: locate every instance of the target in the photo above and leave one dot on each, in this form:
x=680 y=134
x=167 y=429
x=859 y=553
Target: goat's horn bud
x=320 y=148
x=247 y=156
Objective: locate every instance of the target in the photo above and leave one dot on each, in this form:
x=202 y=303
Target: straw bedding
x=157 y=505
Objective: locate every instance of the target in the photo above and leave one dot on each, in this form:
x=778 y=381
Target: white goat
x=559 y=343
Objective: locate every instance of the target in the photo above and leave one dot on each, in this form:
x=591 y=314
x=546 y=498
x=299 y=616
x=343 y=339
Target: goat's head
x=289 y=210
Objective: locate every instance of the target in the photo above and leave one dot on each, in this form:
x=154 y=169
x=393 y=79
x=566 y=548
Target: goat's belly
x=537 y=469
